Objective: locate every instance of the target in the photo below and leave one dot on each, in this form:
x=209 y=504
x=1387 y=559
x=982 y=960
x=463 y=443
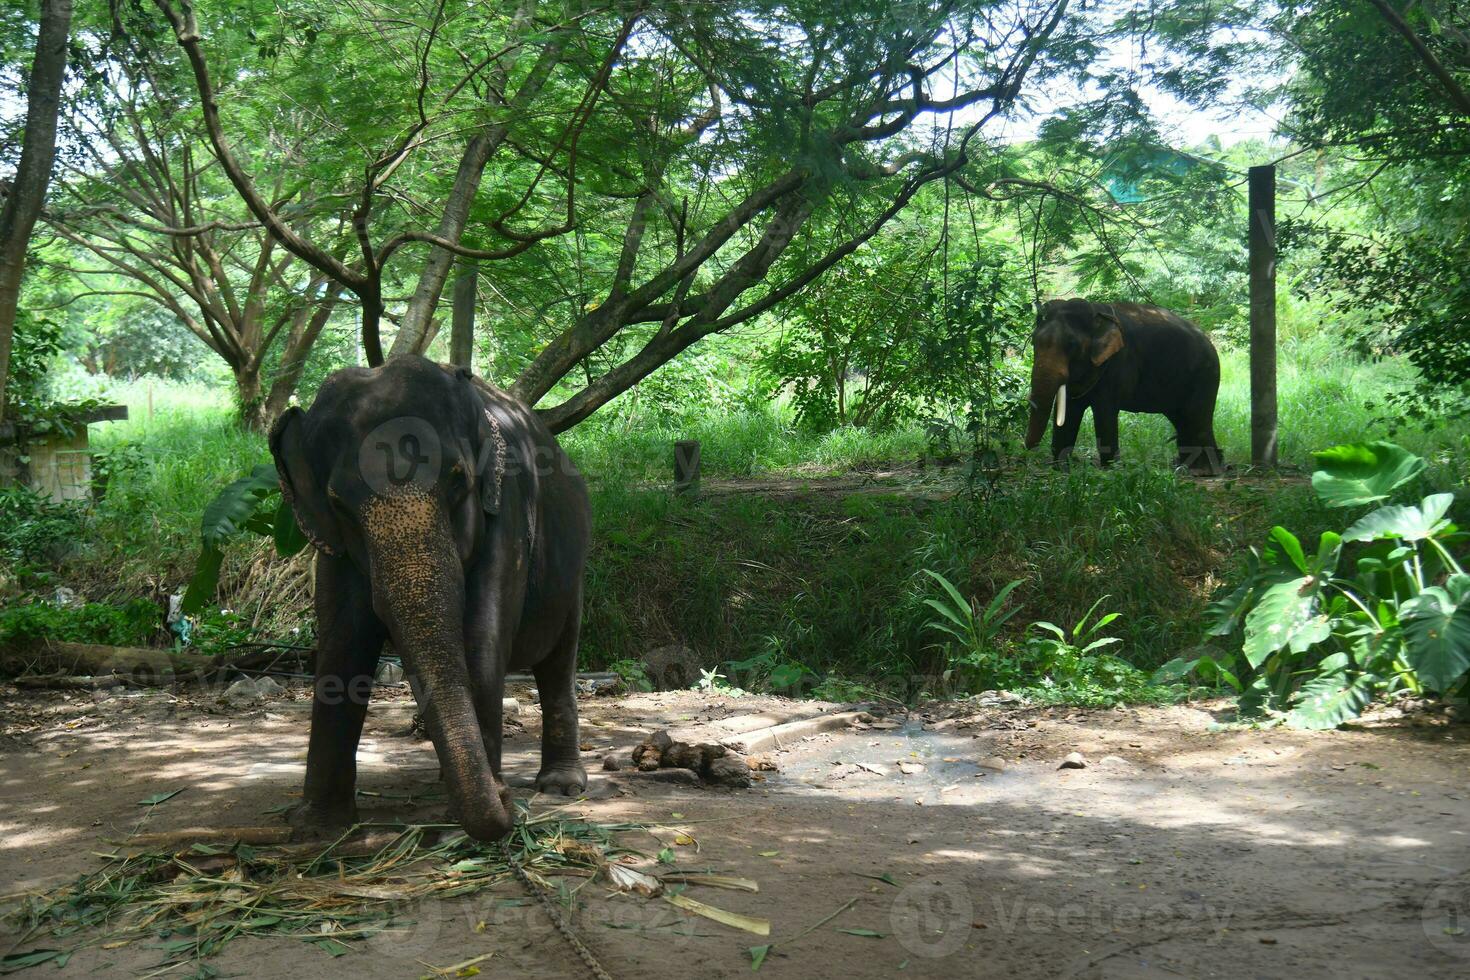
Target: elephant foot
x=317 y=821
x=453 y=814
x=562 y=780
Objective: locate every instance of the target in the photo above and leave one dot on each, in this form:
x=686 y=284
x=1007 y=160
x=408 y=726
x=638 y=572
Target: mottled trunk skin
x=418 y=591
x=1046 y=377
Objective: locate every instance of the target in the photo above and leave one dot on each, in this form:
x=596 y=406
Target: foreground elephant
x=448 y=521
x=1113 y=357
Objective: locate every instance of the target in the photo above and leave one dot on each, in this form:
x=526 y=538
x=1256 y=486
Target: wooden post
x=686 y=466
x=1262 y=200
x=462 y=329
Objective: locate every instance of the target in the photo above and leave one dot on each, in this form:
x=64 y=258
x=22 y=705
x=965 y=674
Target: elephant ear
x=1109 y=339
x=299 y=484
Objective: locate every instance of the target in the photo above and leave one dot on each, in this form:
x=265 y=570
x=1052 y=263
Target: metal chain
x=554 y=913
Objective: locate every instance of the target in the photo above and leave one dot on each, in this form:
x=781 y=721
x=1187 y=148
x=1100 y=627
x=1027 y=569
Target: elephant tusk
x=1062 y=405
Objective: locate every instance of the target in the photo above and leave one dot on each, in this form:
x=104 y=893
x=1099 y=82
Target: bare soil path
x=1180 y=851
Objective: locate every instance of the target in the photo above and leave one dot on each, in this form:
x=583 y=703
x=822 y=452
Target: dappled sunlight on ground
x=1178 y=851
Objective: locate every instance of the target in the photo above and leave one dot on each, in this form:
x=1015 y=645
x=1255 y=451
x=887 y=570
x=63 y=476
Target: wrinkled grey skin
x=469 y=575
x=1125 y=357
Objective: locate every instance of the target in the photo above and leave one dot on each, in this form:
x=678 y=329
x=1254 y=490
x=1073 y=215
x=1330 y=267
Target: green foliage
x=1362 y=473
x=887 y=337
x=34 y=529
x=1318 y=645
x=250 y=505
x=37 y=343
x=1070 y=659
x=974 y=650
x=634 y=676
x=133 y=623
x=772 y=669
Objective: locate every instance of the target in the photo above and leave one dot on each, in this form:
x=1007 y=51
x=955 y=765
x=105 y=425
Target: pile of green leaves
x=1379 y=608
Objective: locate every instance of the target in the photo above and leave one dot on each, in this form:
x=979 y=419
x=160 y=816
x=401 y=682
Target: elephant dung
x=714 y=763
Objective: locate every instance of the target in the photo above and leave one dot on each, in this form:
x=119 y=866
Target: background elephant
x=1113 y=357
x=448 y=520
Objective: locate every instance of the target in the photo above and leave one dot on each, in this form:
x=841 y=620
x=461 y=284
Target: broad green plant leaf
x=228 y=514
x=238 y=508
x=1362 y=472
x=1286 y=616
x=288 y=536
x=1401 y=521
x=1437 y=637
x=1283 y=544
x=758 y=955
x=1330 y=699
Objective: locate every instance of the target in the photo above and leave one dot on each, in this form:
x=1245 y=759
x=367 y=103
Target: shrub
x=1316 y=646
x=130 y=624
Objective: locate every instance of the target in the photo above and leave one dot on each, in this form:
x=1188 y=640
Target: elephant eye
x=459 y=479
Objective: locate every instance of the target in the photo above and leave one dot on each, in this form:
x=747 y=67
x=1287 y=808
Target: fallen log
x=144 y=666
x=63 y=682
x=29 y=661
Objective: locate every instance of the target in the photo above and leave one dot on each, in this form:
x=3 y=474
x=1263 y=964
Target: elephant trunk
x=1047 y=387
x=418 y=592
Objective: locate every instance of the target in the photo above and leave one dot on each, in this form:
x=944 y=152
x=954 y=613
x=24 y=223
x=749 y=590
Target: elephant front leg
x=561 y=752
x=350 y=640
x=1105 y=422
x=1064 y=436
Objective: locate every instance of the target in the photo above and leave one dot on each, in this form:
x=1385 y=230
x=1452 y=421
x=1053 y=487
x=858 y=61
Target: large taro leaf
x=1437 y=636
x=1330 y=699
x=1227 y=611
x=1402 y=521
x=1362 y=472
x=237 y=505
x=238 y=508
x=1286 y=616
x=287 y=533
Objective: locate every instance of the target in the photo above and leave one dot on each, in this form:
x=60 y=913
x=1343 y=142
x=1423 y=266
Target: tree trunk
x=295 y=354
x=38 y=151
x=413 y=332
x=249 y=402
x=462 y=332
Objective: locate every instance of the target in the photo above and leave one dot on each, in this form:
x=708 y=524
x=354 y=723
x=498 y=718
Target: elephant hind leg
x=1198 y=450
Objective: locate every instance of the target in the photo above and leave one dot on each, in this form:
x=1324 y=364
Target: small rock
x=1073 y=760
x=242 y=692
x=910 y=768
x=612 y=762
x=1116 y=761
x=994 y=762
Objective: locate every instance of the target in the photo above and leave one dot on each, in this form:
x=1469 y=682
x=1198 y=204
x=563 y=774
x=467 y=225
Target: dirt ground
x=1181 y=850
